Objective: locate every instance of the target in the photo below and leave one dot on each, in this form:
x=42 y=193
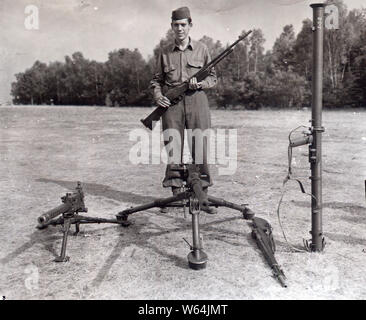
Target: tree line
x=249 y=78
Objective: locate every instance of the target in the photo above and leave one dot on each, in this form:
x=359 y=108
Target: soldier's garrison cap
x=181 y=13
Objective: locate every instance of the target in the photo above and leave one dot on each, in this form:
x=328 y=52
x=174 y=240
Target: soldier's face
x=181 y=28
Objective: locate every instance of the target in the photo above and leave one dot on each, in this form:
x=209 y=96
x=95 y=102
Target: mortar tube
x=315 y=148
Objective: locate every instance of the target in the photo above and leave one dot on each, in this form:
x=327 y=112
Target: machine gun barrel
x=53 y=213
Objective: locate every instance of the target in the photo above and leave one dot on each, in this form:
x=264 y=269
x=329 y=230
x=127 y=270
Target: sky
x=97 y=27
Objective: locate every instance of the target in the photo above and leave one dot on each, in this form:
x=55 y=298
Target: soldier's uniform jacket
x=175 y=66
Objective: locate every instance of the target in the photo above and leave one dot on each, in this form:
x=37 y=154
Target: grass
x=45 y=150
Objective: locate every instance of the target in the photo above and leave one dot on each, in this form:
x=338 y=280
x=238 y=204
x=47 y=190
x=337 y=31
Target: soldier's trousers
x=190 y=113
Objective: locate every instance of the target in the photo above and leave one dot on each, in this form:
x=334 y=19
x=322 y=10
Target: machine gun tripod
x=72 y=204
x=196 y=199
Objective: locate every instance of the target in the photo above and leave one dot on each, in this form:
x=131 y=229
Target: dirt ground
x=45 y=150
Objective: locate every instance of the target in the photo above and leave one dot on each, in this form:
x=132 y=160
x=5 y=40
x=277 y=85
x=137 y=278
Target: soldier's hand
x=194 y=85
x=163 y=102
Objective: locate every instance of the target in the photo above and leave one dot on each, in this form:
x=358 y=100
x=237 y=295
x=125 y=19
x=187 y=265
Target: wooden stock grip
x=173 y=95
x=153 y=116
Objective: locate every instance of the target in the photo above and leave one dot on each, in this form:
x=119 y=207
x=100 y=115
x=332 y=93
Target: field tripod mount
x=193 y=197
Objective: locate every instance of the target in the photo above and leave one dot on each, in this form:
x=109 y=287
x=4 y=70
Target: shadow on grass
x=142 y=241
x=47 y=238
x=344 y=206
x=102 y=190
x=347 y=239
x=138 y=238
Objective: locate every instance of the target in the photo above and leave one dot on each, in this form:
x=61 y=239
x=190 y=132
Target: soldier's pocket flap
x=195 y=63
x=169 y=68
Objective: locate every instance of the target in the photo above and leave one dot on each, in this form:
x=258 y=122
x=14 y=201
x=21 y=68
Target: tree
x=127 y=77
x=284 y=89
x=73 y=79
x=358 y=85
x=30 y=87
x=167 y=40
x=342 y=53
x=283 y=49
x=302 y=50
x=256 y=48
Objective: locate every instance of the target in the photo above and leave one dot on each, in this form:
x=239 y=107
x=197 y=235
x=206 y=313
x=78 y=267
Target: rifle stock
x=174 y=94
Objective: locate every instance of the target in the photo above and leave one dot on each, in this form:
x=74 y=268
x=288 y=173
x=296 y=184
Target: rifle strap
x=287 y=179
x=278 y=211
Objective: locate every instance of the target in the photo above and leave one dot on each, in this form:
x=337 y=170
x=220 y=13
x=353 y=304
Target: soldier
x=177 y=62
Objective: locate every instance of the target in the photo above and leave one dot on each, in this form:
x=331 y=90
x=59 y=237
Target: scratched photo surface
x=50 y=142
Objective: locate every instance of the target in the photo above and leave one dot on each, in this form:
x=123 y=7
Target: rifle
x=175 y=94
x=262 y=233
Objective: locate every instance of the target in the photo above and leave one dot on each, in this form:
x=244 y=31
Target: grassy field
x=45 y=150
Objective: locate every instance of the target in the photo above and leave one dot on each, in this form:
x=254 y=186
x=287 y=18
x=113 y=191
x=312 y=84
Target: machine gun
x=72 y=204
x=175 y=94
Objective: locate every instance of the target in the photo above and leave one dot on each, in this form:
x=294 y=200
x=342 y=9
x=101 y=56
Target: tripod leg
x=63 y=257
x=197 y=258
x=247 y=213
x=77 y=228
x=160 y=202
x=122 y=218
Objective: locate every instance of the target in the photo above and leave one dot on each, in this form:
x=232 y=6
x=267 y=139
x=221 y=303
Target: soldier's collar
x=190 y=45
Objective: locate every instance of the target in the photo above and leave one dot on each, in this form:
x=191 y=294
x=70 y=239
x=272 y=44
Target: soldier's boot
x=175 y=191
x=209 y=210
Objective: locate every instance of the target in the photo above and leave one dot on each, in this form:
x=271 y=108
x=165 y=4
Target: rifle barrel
x=218 y=60
x=225 y=52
